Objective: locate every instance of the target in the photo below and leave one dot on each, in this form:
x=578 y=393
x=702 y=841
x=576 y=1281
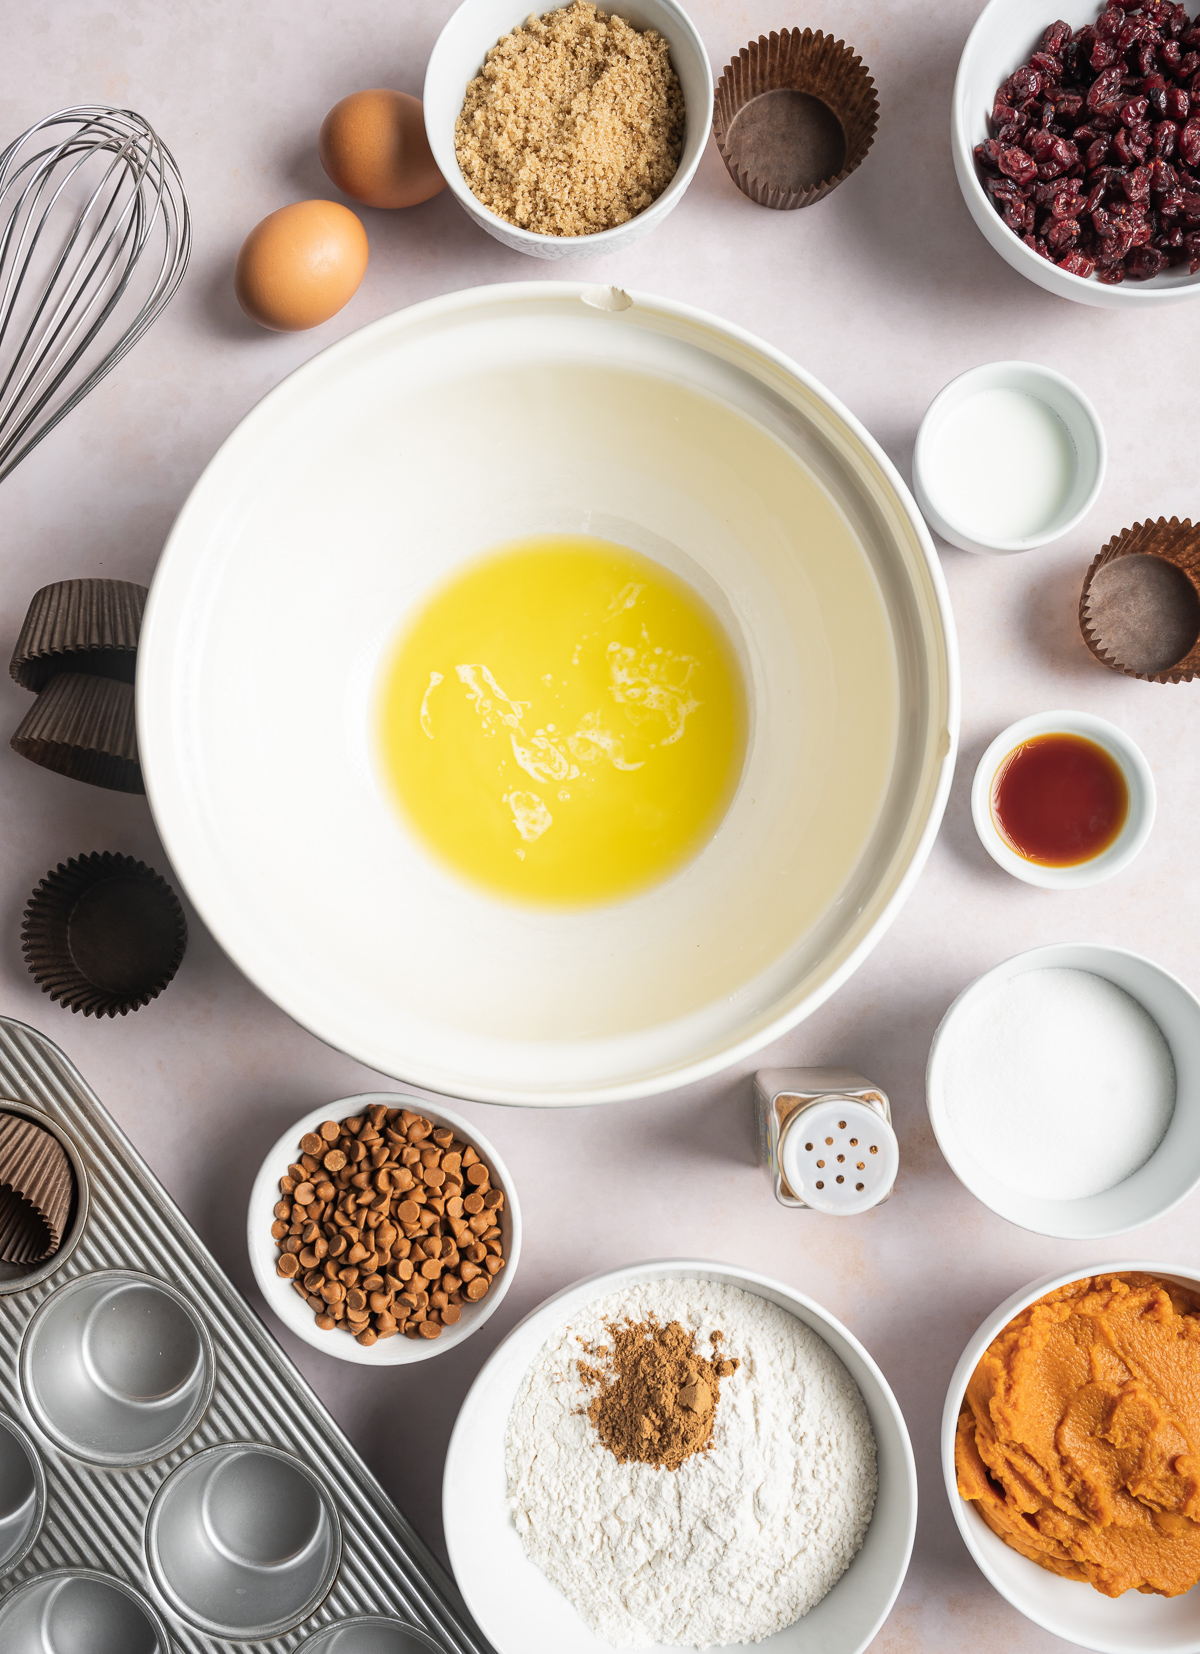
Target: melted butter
x=563 y=722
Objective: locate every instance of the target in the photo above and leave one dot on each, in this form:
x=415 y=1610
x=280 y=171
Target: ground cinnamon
x=657 y=1395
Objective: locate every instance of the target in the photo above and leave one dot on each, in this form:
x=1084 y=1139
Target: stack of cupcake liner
x=77 y=652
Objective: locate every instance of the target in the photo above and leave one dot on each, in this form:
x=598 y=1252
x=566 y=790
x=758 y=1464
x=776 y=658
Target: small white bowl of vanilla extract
x=1063 y=799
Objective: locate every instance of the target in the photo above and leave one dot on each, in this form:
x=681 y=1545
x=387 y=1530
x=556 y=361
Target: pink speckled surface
x=884 y=292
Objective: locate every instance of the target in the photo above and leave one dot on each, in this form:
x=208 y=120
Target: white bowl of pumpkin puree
x=1071 y=1452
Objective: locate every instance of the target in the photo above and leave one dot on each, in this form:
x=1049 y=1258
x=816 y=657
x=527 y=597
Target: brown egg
x=373 y=146
x=301 y=265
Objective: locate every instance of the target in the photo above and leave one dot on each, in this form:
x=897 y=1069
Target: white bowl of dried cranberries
x=1076 y=139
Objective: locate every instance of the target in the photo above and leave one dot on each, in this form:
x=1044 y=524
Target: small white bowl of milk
x=1009 y=456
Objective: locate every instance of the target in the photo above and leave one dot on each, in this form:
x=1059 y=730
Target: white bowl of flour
x=793 y=1530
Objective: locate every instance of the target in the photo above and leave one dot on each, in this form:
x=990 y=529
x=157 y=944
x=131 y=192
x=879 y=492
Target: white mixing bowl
x=391 y=459
x=514 y=1603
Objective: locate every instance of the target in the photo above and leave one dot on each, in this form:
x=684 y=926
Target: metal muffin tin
x=168 y=1482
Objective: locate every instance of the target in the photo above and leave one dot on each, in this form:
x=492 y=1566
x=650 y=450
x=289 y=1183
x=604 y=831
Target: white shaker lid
x=840 y=1156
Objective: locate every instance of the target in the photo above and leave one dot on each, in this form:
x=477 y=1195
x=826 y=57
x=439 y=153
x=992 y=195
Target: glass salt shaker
x=825 y=1139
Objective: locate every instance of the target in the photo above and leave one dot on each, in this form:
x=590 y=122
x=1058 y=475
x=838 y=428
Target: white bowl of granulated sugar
x=769 y=1496
x=1063 y=1088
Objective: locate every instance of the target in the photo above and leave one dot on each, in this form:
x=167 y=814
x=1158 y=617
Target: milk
x=1002 y=465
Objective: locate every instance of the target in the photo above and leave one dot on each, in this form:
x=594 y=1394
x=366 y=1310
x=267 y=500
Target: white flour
x=739 y=1541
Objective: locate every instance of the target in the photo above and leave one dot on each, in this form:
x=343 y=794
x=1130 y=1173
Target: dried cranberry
x=1103 y=55
x=1105 y=93
x=1189 y=205
x=1178 y=104
x=1190 y=38
x=1136 y=185
x=1145 y=263
x=1134 y=111
x=1109 y=23
x=1048 y=67
x=1062 y=233
x=1016 y=164
x=1166 y=136
x=1039 y=246
x=1189 y=142
x=1056 y=37
x=1110 y=271
x=987 y=154
x=1096 y=154
x=1077 y=264
x=1188 y=65
x=1163 y=178
x=1022 y=85
x=1067 y=105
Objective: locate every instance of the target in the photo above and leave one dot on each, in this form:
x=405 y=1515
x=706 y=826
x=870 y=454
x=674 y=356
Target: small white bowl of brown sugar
x=382 y=1230
x=573 y=132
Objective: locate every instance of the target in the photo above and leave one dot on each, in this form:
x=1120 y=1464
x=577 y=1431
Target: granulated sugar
x=743 y=1538
x=1058 y=1083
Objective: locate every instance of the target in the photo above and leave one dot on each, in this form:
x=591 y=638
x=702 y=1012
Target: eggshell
x=373 y=146
x=301 y=265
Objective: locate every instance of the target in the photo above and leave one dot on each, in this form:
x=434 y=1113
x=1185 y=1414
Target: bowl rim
x=1121 y=748
x=284 y=1303
x=966 y=1521
x=959 y=390
x=750 y=1280
x=1051 y=956
x=601 y=241
x=1050 y=277
x=775 y=371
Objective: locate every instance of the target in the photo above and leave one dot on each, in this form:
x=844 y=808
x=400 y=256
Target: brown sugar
x=657 y=1395
x=573 y=125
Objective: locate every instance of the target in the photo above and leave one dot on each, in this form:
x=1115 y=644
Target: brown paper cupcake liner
x=1139 y=611
x=84 y=727
x=37 y=1187
x=87 y=626
x=793 y=115
x=103 y=934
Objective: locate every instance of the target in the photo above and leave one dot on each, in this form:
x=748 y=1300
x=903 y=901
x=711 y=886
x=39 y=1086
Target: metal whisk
x=94 y=240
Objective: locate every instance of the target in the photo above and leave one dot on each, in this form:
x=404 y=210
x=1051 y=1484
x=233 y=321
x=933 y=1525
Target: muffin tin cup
x=243 y=1541
x=22 y=1495
x=1139 y=610
x=85 y=728
x=116 y=1368
x=794 y=114
x=73 y=1610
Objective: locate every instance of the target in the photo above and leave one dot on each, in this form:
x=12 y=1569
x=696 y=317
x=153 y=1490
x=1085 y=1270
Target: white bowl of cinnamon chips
x=383 y=1231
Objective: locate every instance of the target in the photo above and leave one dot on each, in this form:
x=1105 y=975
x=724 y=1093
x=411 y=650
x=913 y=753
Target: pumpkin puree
x=1079 y=1436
